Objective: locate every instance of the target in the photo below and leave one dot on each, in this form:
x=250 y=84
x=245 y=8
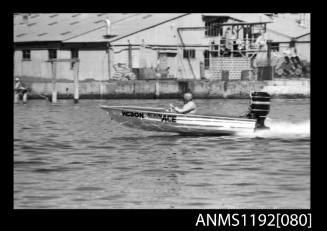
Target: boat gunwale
x=172 y=113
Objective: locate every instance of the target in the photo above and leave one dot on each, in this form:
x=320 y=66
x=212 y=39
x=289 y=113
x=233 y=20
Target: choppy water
x=74 y=156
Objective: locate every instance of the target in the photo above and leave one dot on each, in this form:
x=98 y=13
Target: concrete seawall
x=149 y=89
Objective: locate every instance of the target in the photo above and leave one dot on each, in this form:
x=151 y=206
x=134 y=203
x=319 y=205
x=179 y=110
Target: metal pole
x=129 y=55
x=76 y=93
x=109 y=61
x=54 y=91
x=188 y=59
x=269 y=60
x=268 y=52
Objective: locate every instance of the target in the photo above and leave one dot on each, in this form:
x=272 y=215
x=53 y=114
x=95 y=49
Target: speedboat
x=161 y=120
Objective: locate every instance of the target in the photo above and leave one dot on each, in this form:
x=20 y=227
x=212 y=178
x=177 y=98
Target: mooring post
x=202 y=70
x=54 y=90
x=271 y=72
x=76 y=92
x=157 y=90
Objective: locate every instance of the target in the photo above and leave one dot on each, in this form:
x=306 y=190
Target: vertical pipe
x=109 y=62
x=54 y=90
x=129 y=55
x=270 y=69
x=268 y=52
x=183 y=45
x=246 y=39
x=76 y=93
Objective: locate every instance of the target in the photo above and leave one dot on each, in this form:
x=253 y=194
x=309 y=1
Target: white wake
x=283 y=129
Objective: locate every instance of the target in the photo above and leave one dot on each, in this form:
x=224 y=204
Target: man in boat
x=188 y=107
x=20 y=89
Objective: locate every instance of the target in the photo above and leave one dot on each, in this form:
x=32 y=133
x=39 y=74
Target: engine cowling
x=259 y=108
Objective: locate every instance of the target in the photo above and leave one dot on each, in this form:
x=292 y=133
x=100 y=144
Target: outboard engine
x=259 y=108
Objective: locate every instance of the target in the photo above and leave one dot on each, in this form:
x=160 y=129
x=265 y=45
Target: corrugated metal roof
x=125 y=27
x=81 y=27
x=55 y=27
x=143 y=21
x=286 y=27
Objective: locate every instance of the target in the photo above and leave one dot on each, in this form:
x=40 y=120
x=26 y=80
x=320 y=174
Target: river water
x=74 y=156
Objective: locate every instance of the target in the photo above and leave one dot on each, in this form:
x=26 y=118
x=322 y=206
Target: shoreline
x=172 y=89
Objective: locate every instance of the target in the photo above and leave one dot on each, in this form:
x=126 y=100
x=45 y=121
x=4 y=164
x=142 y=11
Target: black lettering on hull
x=169 y=118
x=161 y=117
x=133 y=114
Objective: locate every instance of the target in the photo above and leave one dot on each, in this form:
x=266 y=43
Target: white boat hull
x=157 y=119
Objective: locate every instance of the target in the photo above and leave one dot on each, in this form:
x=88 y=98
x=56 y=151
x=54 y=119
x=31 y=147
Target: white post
x=25 y=97
x=76 y=93
x=157 y=90
x=16 y=97
x=54 y=91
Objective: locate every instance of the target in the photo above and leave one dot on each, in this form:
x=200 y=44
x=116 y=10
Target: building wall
x=17 y=63
x=276 y=37
x=166 y=35
x=35 y=67
x=303 y=50
x=234 y=66
x=94 y=64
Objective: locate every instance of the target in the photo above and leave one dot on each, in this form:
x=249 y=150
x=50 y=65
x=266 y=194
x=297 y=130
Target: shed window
x=189 y=54
x=52 y=53
x=274 y=46
x=74 y=53
x=26 y=54
x=171 y=54
x=213 y=26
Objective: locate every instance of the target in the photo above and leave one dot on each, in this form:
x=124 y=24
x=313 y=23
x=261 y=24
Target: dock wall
x=149 y=89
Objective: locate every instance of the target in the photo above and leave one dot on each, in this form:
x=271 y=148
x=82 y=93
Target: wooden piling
x=157 y=90
x=202 y=70
x=54 y=90
x=76 y=83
